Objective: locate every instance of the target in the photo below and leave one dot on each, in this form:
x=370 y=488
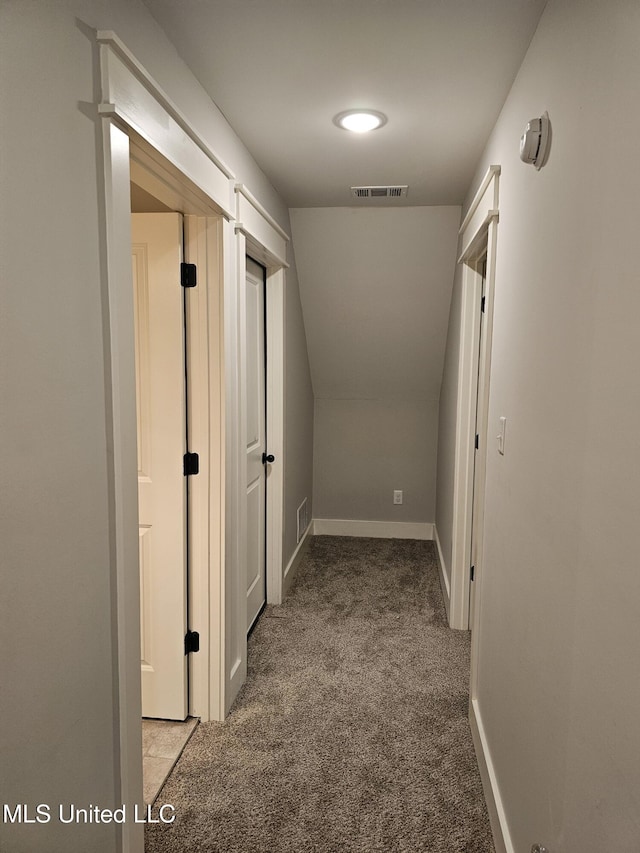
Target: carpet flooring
x=351 y=732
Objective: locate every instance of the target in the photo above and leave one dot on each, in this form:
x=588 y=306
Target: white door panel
x=256 y=439
x=159 y=340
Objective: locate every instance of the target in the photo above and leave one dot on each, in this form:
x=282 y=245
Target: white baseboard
x=292 y=566
x=444 y=578
x=499 y=826
x=374 y=529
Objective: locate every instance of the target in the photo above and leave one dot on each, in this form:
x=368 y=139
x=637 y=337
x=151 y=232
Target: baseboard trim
x=497 y=817
x=292 y=566
x=444 y=579
x=374 y=529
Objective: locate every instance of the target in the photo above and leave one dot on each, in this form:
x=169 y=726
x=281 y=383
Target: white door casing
x=159 y=344
x=255 y=410
x=478 y=237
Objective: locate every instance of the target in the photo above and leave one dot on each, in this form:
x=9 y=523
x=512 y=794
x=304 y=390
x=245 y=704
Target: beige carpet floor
x=351 y=733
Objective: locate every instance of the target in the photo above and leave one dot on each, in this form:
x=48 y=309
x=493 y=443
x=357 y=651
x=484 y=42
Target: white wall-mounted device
x=535 y=141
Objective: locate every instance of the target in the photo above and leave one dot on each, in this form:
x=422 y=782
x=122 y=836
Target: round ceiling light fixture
x=360 y=121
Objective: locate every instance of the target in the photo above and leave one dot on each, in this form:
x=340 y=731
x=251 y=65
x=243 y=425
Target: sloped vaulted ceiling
x=375 y=288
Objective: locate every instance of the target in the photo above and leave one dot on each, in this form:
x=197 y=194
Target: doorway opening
x=185 y=348
x=163 y=489
x=163 y=286
x=478 y=234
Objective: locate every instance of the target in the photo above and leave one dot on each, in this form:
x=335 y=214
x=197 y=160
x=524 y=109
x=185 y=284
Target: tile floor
x=162 y=744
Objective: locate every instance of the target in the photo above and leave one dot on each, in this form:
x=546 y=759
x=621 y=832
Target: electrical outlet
x=397 y=496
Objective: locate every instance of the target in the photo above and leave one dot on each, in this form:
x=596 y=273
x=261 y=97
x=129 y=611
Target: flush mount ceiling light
x=360 y=121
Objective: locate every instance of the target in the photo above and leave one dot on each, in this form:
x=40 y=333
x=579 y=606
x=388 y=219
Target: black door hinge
x=191 y=642
x=477 y=441
x=473 y=571
x=483 y=303
x=188 y=275
x=191 y=464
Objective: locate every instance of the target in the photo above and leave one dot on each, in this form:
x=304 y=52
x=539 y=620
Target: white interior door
x=256 y=440
x=160 y=377
x=480 y=455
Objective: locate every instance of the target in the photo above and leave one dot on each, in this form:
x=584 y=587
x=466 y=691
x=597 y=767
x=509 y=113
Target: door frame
x=136 y=115
x=478 y=236
x=260 y=237
x=205 y=359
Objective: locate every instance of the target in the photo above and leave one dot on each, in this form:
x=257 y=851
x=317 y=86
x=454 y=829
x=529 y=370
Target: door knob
x=268 y=458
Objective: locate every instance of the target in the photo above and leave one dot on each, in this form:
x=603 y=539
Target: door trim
x=274 y=297
x=262 y=239
x=121 y=434
x=275 y=293
x=478 y=234
x=204 y=241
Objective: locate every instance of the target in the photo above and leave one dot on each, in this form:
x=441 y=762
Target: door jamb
x=275 y=297
x=204 y=247
x=490 y=247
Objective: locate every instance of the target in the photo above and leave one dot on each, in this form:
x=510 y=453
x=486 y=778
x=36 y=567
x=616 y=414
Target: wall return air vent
x=379 y=192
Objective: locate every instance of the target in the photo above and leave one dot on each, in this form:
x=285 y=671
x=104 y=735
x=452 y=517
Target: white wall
x=447 y=413
x=375 y=287
x=298 y=433
x=558 y=690
x=59 y=732
x=364 y=449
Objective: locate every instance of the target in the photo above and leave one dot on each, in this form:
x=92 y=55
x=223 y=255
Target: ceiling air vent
x=379 y=192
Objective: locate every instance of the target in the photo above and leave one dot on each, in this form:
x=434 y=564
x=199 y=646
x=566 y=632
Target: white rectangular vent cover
x=379 y=192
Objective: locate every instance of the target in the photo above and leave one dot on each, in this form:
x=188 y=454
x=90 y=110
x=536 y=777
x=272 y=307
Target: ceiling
x=281 y=69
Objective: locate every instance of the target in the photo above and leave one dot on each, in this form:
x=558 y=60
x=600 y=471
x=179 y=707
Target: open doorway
x=478 y=234
x=177 y=247
x=163 y=502
x=162 y=286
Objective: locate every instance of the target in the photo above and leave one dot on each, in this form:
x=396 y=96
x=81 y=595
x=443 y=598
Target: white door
x=160 y=379
x=480 y=455
x=256 y=440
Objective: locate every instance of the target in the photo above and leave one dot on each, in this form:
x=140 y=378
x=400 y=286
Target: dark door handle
x=268 y=458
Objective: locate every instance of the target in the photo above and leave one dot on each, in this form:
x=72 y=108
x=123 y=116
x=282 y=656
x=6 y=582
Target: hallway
x=351 y=732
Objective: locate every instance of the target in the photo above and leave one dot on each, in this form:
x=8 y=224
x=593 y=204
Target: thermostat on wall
x=535 y=141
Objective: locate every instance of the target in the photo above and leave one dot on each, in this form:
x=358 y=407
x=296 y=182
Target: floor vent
x=379 y=192
x=303 y=519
